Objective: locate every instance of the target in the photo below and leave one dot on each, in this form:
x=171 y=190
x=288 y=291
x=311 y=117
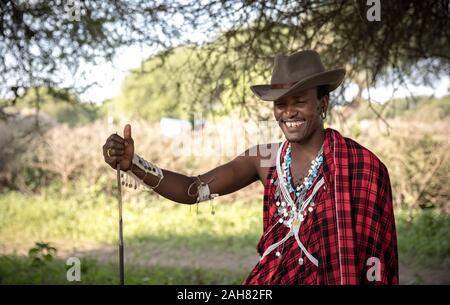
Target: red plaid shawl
x=352 y=221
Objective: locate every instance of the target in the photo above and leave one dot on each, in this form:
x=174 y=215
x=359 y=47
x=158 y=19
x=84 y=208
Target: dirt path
x=410 y=276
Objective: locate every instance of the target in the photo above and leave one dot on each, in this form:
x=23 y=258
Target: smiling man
x=327 y=213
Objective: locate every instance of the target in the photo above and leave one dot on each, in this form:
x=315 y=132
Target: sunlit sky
x=109 y=76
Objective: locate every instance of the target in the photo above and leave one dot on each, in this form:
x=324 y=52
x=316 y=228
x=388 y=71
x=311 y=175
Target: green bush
x=418 y=165
x=424 y=238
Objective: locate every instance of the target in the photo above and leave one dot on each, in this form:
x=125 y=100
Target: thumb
x=127 y=133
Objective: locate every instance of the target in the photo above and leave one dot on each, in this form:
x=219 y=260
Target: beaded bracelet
x=147 y=168
x=203 y=193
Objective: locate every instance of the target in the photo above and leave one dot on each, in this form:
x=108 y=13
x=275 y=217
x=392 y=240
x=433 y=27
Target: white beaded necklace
x=296 y=214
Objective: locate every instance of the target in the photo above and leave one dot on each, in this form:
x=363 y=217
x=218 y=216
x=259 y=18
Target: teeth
x=294 y=124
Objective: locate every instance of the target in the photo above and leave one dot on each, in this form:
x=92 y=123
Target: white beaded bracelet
x=147 y=168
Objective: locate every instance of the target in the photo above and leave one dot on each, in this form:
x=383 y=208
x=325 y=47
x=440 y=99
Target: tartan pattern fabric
x=352 y=223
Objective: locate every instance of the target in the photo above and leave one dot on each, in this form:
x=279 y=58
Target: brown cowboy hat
x=296 y=72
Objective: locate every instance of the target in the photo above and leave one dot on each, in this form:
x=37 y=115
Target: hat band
x=282 y=86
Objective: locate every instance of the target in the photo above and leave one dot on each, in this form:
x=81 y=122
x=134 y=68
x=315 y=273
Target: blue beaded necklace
x=312 y=173
x=292 y=212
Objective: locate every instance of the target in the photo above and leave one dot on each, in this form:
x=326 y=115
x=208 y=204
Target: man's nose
x=290 y=110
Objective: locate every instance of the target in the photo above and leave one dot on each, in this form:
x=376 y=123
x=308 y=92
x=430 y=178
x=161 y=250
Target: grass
x=19 y=270
x=233 y=227
x=152 y=227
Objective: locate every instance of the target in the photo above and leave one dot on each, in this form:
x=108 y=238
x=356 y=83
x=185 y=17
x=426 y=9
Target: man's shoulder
x=366 y=167
x=362 y=154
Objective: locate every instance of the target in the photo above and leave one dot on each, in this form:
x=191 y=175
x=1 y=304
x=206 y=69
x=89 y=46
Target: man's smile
x=293 y=124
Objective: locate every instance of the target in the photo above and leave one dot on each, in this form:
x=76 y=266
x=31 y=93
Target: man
x=328 y=215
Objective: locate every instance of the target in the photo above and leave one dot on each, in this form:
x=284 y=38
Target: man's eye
x=300 y=101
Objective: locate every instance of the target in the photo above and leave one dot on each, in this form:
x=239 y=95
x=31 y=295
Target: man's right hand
x=119 y=150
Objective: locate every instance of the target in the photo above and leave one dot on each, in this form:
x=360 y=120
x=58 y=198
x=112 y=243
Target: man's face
x=299 y=115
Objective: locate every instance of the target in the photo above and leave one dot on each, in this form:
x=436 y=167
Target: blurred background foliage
x=56 y=192
x=56 y=188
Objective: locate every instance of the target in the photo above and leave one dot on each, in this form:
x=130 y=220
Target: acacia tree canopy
x=40 y=45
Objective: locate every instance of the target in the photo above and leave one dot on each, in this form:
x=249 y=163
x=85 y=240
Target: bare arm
x=224 y=179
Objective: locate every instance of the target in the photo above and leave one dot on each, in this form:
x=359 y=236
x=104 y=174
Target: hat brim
x=331 y=78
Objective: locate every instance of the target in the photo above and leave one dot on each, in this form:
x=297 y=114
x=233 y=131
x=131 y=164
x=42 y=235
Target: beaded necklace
x=287 y=208
x=293 y=211
x=312 y=173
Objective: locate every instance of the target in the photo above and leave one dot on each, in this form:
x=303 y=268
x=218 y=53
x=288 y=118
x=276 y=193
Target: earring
x=323 y=115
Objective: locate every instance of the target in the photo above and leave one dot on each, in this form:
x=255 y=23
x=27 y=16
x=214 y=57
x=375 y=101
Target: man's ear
x=324 y=103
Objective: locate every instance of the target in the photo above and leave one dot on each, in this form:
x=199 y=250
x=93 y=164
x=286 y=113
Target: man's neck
x=309 y=148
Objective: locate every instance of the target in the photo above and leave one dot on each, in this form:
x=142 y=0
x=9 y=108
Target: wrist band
x=147 y=168
x=203 y=193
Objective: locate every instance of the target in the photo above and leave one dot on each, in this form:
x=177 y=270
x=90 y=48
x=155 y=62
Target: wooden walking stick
x=119 y=195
